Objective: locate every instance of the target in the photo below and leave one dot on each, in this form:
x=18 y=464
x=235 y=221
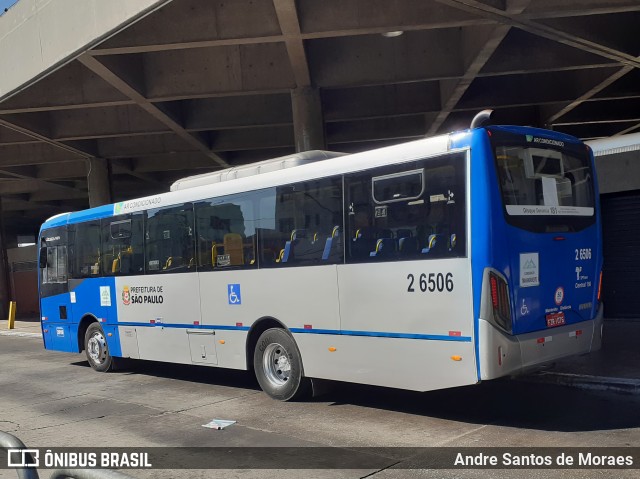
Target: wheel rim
x=276 y=364
x=97 y=348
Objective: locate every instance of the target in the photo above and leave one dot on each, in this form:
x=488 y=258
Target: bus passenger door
x=55 y=303
x=90 y=293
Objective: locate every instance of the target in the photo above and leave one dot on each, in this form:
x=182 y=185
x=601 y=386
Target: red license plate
x=555 y=319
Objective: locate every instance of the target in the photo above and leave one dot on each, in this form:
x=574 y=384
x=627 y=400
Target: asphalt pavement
x=52 y=399
x=615 y=368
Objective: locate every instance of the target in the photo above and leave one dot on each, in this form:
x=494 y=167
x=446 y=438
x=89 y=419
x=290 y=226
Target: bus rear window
x=545 y=190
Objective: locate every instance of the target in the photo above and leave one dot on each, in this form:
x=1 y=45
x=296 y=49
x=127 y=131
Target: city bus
x=436 y=263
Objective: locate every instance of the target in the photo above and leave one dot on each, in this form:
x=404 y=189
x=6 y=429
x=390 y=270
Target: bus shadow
x=185 y=372
x=503 y=402
x=506 y=402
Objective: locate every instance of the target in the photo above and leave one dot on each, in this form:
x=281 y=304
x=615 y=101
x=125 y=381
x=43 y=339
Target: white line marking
x=21 y=334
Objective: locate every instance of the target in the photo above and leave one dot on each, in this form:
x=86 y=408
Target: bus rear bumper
x=502 y=354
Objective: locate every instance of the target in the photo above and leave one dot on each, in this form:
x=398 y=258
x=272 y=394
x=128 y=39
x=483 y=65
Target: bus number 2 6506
x=431 y=282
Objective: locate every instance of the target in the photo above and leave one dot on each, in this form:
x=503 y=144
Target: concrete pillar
x=5 y=282
x=99 y=182
x=308 y=124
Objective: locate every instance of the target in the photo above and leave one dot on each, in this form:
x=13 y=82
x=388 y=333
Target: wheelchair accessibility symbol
x=524 y=310
x=233 y=293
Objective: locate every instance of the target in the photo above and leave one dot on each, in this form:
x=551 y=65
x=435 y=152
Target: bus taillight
x=600 y=287
x=494 y=291
x=500 y=302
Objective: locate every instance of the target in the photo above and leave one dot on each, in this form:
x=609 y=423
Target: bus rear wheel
x=278 y=366
x=96 y=348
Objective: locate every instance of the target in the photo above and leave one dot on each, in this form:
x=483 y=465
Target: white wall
x=618 y=172
x=617 y=162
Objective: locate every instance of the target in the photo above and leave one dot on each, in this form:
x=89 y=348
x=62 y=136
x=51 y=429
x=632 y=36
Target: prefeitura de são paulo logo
x=126 y=296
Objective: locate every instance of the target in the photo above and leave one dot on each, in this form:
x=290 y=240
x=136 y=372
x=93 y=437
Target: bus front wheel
x=278 y=366
x=95 y=345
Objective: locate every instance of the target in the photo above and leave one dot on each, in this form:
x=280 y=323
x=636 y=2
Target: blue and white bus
x=436 y=263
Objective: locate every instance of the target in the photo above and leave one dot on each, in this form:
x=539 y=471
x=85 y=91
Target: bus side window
x=55 y=270
x=122 y=246
x=169 y=240
x=226 y=233
x=87 y=250
x=306 y=217
x=411 y=211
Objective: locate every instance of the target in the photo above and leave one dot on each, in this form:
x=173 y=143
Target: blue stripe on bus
x=336 y=332
x=379 y=334
x=105 y=211
x=186 y=326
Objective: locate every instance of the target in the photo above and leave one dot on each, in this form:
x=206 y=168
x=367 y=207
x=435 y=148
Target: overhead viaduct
x=106 y=101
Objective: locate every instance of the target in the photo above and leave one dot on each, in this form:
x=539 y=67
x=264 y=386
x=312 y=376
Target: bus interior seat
x=234 y=247
x=332 y=245
x=285 y=253
x=125 y=261
x=306 y=249
x=173 y=262
x=385 y=247
x=436 y=244
x=364 y=242
x=289 y=252
x=168 y=263
x=94 y=269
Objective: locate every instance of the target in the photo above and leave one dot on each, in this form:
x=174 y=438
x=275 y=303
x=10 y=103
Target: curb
x=585 y=381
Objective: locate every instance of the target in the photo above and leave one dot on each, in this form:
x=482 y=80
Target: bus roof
x=339 y=164
x=261 y=167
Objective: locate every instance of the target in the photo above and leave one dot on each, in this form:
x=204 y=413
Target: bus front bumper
x=501 y=354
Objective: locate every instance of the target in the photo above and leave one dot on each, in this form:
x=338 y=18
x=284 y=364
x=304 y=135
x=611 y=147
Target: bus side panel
x=298 y=297
x=155 y=313
x=95 y=297
x=57 y=323
x=425 y=303
x=413 y=364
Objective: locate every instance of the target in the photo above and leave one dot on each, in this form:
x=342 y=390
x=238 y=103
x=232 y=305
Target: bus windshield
x=544 y=189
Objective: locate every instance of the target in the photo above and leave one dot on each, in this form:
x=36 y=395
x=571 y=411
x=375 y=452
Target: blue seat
x=332 y=245
x=436 y=244
x=385 y=247
x=364 y=242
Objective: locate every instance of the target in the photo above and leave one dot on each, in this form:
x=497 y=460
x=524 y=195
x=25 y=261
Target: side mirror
x=43 y=257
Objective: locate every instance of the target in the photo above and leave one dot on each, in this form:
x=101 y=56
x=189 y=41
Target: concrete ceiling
x=199 y=85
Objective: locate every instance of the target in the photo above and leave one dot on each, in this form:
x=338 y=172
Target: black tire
x=278 y=366
x=97 y=350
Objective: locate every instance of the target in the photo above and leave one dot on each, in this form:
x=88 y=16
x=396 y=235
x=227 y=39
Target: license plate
x=555 y=319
